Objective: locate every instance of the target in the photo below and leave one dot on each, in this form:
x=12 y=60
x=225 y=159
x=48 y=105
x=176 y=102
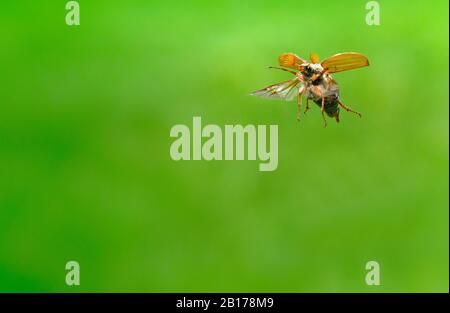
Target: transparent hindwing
x=282 y=91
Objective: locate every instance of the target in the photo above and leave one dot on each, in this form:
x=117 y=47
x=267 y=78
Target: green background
x=86 y=173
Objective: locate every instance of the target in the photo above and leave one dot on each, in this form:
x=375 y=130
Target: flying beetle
x=314 y=80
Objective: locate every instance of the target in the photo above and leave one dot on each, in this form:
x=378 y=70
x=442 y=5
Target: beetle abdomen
x=331 y=105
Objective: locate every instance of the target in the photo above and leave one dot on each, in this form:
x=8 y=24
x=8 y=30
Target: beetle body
x=314 y=81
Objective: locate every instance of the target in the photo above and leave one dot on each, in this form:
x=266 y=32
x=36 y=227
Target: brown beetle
x=314 y=81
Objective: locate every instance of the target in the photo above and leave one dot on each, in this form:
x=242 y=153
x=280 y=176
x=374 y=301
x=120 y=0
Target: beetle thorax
x=311 y=69
x=316 y=68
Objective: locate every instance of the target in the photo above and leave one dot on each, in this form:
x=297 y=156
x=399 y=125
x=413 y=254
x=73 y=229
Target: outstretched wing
x=291 y=60
x=344 y=61
x=282 y=91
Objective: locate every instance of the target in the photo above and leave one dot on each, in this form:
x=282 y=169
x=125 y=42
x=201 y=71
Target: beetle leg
x=299 y=101
x=307 y=105
x=348 y=109
x=322 y=108
x=283 y=69
x=323 y=114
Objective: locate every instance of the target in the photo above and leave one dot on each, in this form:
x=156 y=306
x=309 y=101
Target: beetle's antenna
x=283 y=69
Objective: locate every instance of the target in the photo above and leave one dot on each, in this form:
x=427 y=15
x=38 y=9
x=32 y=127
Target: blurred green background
x=84 y=148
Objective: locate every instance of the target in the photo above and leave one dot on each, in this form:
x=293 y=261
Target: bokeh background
x=86 y=173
